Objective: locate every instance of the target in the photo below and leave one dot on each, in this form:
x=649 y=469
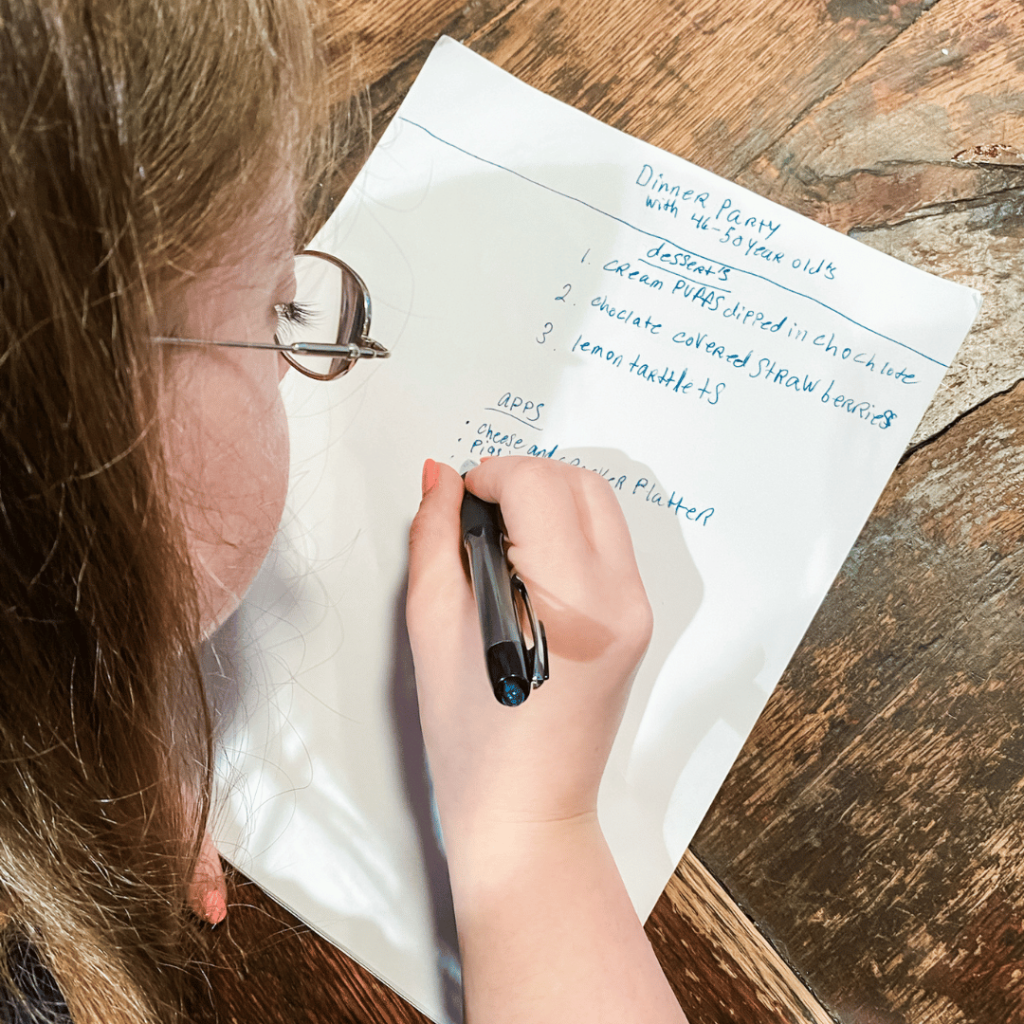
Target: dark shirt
x=36 y=982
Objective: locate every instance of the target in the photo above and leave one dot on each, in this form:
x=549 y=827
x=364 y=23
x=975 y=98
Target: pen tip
x=512 y=694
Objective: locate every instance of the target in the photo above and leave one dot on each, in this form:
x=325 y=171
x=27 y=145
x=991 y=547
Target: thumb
x=435 y=544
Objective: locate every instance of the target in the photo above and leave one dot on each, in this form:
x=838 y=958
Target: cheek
x=227 y=445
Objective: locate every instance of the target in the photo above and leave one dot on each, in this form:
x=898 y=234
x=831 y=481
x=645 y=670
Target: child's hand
x=546 y=928
x=494 y=767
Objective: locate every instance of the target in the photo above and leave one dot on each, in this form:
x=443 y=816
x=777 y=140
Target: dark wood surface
x=874 y=824
x=863 y=860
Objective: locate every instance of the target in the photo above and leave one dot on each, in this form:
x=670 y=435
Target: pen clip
x=538 y=654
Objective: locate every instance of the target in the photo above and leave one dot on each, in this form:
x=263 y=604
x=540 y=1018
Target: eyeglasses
x=329 y=318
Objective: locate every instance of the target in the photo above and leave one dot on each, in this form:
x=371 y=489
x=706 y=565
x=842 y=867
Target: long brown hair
x=133 y=133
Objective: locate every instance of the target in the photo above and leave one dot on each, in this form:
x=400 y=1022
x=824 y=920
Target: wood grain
x=266 y=967
x=376 y=38
x=874 y=821
x=721 y=967
x=872 y=825
x=716 y=83
x=935 y=118
x=981 y=246
x=927 y=135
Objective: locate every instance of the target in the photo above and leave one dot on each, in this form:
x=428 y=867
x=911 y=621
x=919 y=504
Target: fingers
x=571 y=511
x=567 y=538
x=208 y=891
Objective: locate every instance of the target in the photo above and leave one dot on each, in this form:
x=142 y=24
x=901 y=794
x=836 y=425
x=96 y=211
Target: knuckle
x=529 y=472
x=637 y=616
x=597 y=487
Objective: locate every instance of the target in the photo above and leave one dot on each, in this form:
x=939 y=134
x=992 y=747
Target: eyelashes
x=294 y=314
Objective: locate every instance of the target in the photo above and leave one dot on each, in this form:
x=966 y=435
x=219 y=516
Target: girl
x=155 y=163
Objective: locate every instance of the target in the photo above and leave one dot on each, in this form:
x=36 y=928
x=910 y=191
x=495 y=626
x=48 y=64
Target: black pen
x=513 y=668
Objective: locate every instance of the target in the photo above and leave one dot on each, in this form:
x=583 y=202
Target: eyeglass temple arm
x=365 y=348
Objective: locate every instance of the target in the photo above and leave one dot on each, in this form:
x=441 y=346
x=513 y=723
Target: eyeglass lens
x=330 y=308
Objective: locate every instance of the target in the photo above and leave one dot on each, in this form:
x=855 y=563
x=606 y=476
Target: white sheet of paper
x=745 y=378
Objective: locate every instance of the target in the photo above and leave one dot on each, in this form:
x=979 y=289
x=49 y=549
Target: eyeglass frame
x=363 y=348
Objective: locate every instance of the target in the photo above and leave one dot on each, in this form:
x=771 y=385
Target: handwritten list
x=743 y=378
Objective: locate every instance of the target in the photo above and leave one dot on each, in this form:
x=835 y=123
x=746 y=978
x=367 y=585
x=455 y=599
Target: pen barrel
x=483 y=538
x=493 y=591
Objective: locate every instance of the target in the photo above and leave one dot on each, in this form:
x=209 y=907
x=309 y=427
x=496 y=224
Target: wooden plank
x=266 y=967
x=928 y=135
x=814 y=822
x=369 y=39
x=981 y=246
x=375 y=50
x=934 y=118
x=721 y=967
x=874 y=821
x=716 y=83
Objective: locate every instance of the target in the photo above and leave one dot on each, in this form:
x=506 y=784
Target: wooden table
x=863 y=862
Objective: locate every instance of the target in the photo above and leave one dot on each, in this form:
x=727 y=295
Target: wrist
x=494 y=858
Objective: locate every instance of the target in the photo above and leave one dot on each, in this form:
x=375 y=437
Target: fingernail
x=431 y=471
x=215 y=907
